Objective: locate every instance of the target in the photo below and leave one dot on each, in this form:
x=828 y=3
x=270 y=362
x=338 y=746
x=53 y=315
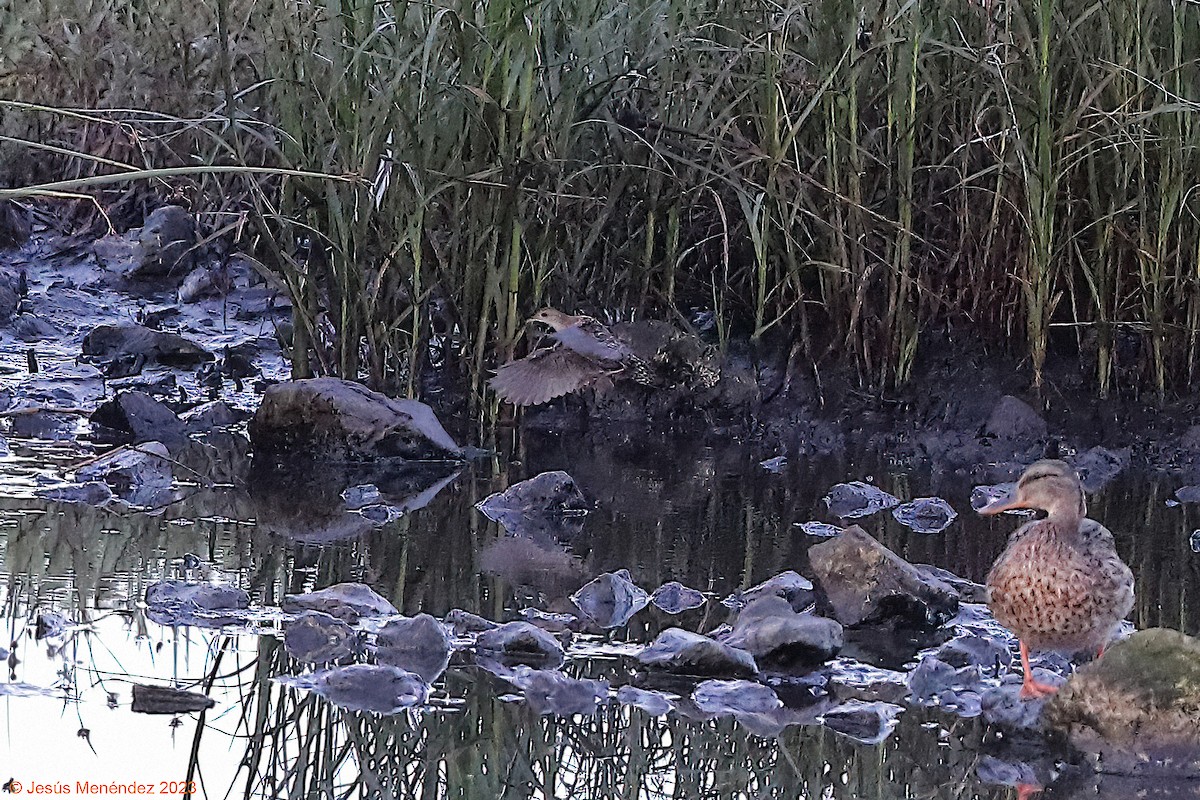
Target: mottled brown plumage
x=585 y=353
x=1059 y=585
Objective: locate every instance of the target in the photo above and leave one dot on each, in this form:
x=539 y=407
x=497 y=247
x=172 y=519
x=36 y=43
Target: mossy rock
x=1137 y=707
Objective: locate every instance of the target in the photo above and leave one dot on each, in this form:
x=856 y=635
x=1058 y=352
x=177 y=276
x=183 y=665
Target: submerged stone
x=782 y=640
x=522 y=643
x=857 y=499
x=346 y=601
x=675 y=598
x=656 y=704
x=1137 y=707
x=207 y=596
x=93 y=493
x=864 y=722
x=866 y=582
x=139 y=473
x=551 y=692
x=611 y=599
x=685 y=653
x=549 y=503
x=378 y=688
x=418 y=644
x=329 y=419
x=318 y=638
x=735 y=697
x=925 y=515
x=166 y=700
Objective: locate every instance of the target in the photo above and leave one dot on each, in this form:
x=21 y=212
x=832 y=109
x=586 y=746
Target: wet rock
x=735 y=697
x=361 y=496
x=138 y=473
x=318 y=638
x=127 y=341
x=656 y=704
x=675 y=598
x=973 y=650
x=1004 y=707
x=379 y=688
x=549 y=621
x=345 y=601
x=1137 y=707
x=165 y=243
x=932 y=678
x=925 y=515
x=165 y=700
x=34 y=329
x=1099 y=465
x=968 y=591
x=994 y=771
x=210 y=416
x=44 y=425
x=550 y=692
x=822 y=529
x=521 y=643
x=1188 y=494
x=611 y=599
x=334 y=420
x=1194 y=541
x=782 y=640
x=857 y=499
x=464 y=622
x=867 y=723
x=206 y=596
x=92 y=493
x=50 y=625
x=549 y=495
x=865 y=582
x=418 y=644
x=199 y=283
x=790 y=585
x=1015 y=421
x=851 y=679
x=133 y=417
x=685 y=653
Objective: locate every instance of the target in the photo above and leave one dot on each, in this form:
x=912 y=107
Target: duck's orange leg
x=1032 y=689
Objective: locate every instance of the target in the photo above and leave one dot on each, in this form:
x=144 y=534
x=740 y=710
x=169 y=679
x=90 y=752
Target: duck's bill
x=989 y=500
x=1000 y=506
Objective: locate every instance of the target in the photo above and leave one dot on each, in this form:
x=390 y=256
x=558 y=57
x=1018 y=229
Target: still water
x=666 y=509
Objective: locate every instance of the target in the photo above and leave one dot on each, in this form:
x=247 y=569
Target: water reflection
x=709 y=518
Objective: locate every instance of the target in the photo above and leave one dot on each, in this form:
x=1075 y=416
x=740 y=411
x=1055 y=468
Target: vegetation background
x=840 y=178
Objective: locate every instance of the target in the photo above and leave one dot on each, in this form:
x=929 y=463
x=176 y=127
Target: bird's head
x=556 y=319
x=1049 y=485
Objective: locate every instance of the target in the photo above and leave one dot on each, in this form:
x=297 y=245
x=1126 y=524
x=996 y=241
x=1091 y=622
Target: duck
x=1059 y=585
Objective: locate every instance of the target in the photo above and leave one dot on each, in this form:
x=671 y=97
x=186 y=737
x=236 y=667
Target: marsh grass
x=841 y=177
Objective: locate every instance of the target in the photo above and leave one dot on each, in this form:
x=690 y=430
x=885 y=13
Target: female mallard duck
x=1059 y=585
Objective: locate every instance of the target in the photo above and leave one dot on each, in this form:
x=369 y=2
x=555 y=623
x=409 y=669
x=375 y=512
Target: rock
x=379 y=688
x=14 y=227
x=207 y=596
x=775 y=465
x=112 y=343
x=334 y=420
x=1188 y=494
x=138 y=473
x=133 y=417
x=735 y=697
x=1194 y=541
x=44 y=425
x=165 y=243
x=361 y=496
x=782 y=640
x=611 y=599
x=857 y=499
x=418 y=644
x=50 y=625
x=1004 y=707
x=346 y=601
x=968 y=591
x=522 y=643
x=925 y=515
x=1099 y=465
x=92 y=493
x=685 y=653
x=959 y=691
x=538 y=504
x=165 y=700
x=1015 y=421
x=973 y=650
x=33 y=328
x=675 y=598
x=790 y=585
x=464 y=622
x=822 y=529
x=867 y=723
x=199 y=283
x=656 y=704
x=318 y=638
x=210 y=416
x=865 y=582
x=1137 y=707
x=550 y=692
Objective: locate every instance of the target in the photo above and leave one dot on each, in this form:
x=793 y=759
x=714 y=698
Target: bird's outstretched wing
x=544 y=375
x=591 y=338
